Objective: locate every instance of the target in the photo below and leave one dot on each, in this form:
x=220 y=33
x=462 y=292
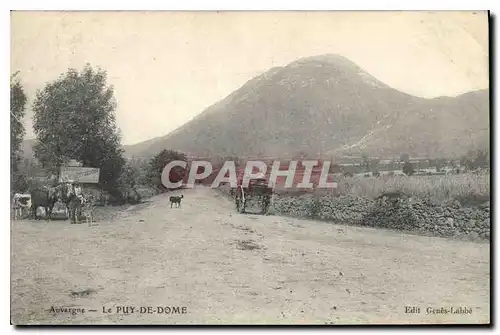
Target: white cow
x=21 y=203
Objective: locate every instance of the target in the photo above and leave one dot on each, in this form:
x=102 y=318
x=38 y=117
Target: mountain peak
x=323 y=104
x=334 y=59
x=335 y=62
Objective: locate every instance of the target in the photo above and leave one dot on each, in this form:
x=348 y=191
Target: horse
x=43 y=197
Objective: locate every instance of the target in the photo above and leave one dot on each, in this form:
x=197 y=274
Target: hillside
x=327 y=105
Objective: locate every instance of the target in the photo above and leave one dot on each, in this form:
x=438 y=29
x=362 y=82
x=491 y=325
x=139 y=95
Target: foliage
x=128 y=182
x=74 y=119
x=408 y=168
x=366 y=162
x=439 y=187
x=439 y=163
x=404 y=157
x=157 y=164
x=475 y=159
x=140 y=167
x=17 y=108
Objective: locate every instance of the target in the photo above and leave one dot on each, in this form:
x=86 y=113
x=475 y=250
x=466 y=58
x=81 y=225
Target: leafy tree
x=440 y=163
x=157 y=164
x=475 y=159
x=30 y=168
x=128 y=182
x=141 y=167
x=74 y=119
x=17 y=108
x=374 y=164
x=408 y=168
x=404 y=157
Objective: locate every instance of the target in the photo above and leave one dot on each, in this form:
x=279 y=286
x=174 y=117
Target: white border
x=184 y=5
x=251 y=5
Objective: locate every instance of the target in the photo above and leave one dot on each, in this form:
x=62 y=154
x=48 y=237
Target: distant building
x=74 y=162
x=431 y=170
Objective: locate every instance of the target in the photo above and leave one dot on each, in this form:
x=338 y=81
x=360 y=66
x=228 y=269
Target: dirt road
x=229 y=268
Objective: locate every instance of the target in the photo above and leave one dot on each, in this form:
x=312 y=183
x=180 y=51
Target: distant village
x=347 y=166
x=420 y=165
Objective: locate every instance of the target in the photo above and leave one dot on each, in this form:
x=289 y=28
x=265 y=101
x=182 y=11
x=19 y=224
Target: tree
x=440 y=163
x=475 y=159
x=157 y=164
x=366 y=162
x=128 y=182
x=408 y=168
x=141 y=167
x=467 y=160
x=374 y=164
x=17 y=108
x=404 y=157
x=74 y=119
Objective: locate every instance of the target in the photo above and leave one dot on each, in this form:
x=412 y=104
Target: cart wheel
x=241 y=206
x=241 y=200
x=265 y=205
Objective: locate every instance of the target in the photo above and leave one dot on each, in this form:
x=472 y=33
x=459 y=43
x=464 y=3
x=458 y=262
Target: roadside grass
x=466 y=187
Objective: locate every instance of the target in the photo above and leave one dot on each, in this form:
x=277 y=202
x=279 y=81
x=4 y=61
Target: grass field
x=466 y=187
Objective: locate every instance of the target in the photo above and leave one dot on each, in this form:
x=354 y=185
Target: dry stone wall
x=411 y=214
x=449 y=219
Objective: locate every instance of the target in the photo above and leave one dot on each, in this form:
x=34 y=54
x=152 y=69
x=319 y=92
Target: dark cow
x=43 y=197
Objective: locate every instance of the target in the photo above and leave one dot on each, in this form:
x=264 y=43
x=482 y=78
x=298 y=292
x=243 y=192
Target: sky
x=167 y=67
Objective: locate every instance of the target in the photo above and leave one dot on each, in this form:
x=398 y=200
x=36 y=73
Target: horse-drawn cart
x=257 y=194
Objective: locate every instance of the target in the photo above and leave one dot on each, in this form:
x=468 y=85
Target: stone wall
x=449 y=219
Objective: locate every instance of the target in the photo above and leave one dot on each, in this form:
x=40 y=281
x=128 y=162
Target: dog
x=176 y=200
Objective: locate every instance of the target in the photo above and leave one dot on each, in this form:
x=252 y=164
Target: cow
x=45 y=197
x=20 y=202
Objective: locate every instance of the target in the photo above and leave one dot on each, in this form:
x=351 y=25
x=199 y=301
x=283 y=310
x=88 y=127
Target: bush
x=158 y=163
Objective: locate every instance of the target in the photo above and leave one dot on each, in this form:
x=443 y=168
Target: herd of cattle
x=28 y=205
